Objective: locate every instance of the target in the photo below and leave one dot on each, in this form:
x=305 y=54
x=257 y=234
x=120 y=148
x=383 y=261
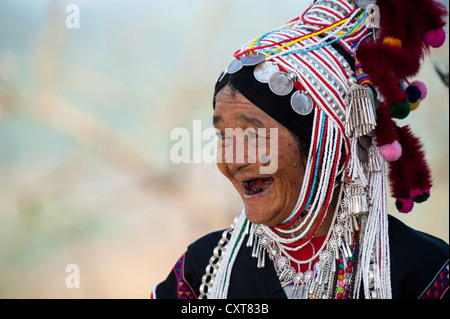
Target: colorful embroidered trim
x=184 y=290
x=439 y=285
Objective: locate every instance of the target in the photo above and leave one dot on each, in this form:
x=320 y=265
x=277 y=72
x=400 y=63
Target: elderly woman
x=326 y=89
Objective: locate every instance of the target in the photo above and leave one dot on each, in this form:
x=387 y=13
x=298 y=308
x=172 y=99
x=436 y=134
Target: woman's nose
x=238 y=154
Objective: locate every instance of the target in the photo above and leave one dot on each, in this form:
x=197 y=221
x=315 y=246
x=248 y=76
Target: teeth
x=255 y=191
x=265 y=180
x=250 y=191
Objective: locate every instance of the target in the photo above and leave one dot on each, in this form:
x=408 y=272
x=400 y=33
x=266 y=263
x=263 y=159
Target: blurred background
x=85 y=120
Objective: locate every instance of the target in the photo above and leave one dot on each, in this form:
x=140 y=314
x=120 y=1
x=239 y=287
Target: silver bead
x=373 y=294
x=292 y=76
x=371 y=277
x=351 y=81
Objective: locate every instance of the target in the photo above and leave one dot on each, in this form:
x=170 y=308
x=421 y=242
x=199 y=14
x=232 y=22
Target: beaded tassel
x=360 y=118
x=355 y=204
x=373 y=164
x=362 y=78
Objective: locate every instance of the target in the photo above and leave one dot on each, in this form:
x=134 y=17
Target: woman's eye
x=223 y=139
x=252 y=135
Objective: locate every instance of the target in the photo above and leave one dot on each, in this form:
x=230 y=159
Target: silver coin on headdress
x=363 y=4
x=265 y=70
x=302 y=103
x=280 y=84
x=252 y=59
x=234 y=66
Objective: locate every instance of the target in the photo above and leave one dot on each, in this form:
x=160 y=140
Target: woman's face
x=269 y=195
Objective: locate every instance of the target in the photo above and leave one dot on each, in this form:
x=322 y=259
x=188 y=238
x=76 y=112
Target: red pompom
x=409 y=176
x=435 y=38
x=416 y=164
x=407 y=26
x=386 y=129
x=404 y=205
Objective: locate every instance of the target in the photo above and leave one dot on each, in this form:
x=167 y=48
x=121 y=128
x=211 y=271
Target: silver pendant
x=264 y=71
x=280 y=84
x=302 y=103
x=252 y=59
x=363 y=154
x=363 y=4
x=234 y=66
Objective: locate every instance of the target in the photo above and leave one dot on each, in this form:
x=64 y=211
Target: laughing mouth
x=257 y=185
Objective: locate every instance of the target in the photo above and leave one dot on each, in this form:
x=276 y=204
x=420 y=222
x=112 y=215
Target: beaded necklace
x=331 y=276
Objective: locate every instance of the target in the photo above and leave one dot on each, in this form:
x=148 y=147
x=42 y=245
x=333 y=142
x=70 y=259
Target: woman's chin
x=259 y=215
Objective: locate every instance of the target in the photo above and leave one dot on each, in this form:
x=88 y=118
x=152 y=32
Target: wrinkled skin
x=272 y=206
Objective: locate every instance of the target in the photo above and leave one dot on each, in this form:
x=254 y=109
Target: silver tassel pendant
x=360 y=118
x=297 y=286
x=260 y=244
x=356 y=203
x=373 y=164
x=358 y=200
x=263 y=244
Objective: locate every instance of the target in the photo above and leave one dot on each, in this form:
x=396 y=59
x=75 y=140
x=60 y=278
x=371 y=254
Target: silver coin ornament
x=234 y=66
x=252 y=59
x=280 y=84
x=302 y=103
x=363 y=154
x=363 y=4
x=265 y=70
x=365 y=141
